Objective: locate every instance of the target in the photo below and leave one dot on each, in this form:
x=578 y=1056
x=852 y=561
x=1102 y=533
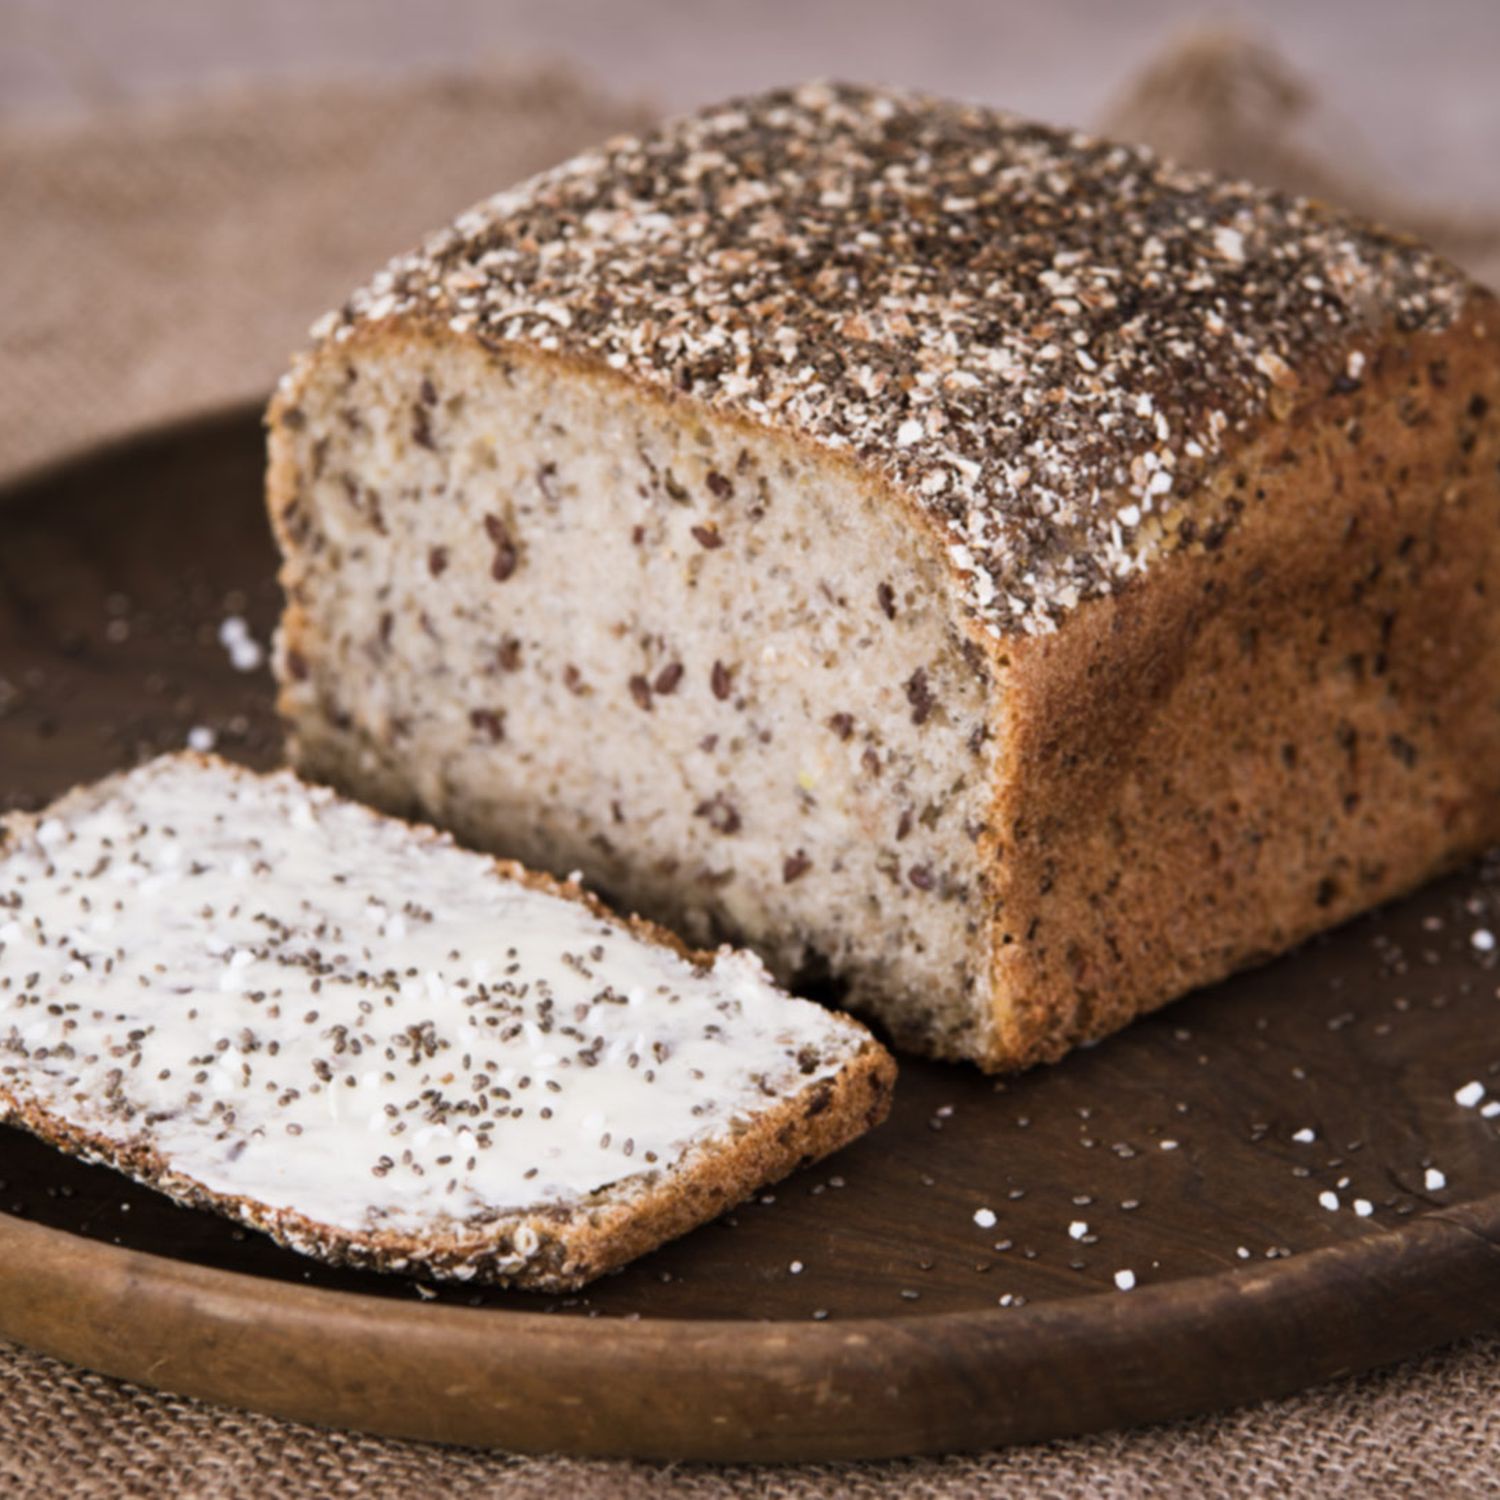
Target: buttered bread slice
x=384 y=1050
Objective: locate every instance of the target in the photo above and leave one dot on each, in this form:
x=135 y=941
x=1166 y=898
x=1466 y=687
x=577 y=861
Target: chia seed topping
x=1047 y=340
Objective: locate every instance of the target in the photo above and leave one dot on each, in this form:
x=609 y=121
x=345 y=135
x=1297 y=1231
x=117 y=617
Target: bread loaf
x=386 y=1051
x=985 y=565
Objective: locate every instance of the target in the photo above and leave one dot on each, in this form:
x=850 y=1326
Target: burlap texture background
x=1428 y=1429
x=166 y=262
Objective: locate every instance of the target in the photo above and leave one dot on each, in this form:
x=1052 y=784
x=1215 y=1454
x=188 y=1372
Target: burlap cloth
x=165 y=262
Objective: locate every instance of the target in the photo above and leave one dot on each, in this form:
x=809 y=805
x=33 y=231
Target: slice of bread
x=386 y=1051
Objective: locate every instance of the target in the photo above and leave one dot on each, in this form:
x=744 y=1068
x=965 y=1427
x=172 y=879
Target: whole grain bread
x=988 y=566
x=385 y=1051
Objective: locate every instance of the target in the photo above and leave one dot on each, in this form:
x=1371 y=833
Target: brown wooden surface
x=114 y=576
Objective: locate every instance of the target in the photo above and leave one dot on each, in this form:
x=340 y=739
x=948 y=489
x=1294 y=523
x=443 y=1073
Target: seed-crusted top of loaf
x=1045 y=338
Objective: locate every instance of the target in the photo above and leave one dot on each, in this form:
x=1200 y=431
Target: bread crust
x=1271 y=733
x=575 y=1246
x=614 y=1225
x=1042 y=338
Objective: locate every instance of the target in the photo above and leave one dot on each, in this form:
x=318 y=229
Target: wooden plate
x=859 y=1309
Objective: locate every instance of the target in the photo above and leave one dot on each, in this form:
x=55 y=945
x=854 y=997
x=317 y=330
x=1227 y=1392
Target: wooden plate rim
x=742 y=1390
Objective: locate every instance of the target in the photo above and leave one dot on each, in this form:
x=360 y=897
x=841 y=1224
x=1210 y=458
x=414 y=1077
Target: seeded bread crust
x=1264 y=738
x=574 y=1245
x=1214 y=473
x=1045 y=340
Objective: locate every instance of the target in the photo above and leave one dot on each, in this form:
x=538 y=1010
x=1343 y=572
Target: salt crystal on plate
x=245 y=655
x=245 y=652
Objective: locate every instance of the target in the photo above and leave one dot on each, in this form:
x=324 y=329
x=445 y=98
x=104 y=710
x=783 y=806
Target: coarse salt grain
x=1125 y=1280
x=246 y=655
x=1434 y=1180
x=1363 y=1207
x=1305 y=1136
x=1330 y=1201
x=1469 y=1095
x=1077 y=1229
x=245 y=652
x=795 y=1268
x=1483 y=940
x=1168 y=1145
x=201 y=738
x=985 y=1218
x=1229 y=243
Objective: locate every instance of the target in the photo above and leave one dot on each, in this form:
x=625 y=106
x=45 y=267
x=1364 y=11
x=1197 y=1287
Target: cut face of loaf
x=600 y=632
x=386 y=1051
x=987 y=566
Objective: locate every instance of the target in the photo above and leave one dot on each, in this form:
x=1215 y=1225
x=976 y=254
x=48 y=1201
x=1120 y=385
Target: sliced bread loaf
x=386 y=1051
x=1019 y=577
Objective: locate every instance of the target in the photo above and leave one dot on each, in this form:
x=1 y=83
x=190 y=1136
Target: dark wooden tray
x=858 y=1309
